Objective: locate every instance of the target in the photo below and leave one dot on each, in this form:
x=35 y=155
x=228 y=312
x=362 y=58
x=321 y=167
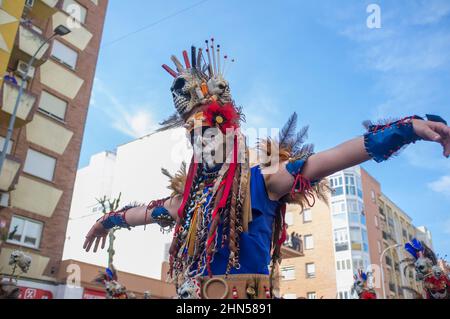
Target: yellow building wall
x=10 y=13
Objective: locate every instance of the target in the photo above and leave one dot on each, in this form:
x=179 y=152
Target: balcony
x=27 y=105
x=10 y=173
x=27 y=43
x=43 y=9
x=288 y=253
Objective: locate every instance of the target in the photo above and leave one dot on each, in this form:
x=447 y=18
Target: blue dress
x=255 y=245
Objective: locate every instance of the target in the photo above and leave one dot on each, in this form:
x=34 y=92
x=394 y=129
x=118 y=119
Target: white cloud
x=406 y=56
x=134 y=121
x=441 y=186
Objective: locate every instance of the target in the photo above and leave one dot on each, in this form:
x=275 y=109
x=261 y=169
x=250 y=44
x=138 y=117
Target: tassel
x=192 y=171
x=192 y=234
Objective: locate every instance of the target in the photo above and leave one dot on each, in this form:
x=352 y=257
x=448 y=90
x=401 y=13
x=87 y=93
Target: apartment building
x=36 y=182
x=357 y=229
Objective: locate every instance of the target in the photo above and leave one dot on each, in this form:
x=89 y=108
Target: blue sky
x=317 y=58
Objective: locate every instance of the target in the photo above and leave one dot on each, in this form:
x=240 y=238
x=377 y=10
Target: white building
x=424 y=234
x=349 y=228
x=134 y=170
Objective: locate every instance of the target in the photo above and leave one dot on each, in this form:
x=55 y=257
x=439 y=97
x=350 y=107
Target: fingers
x=97 y=242
x=444 y=132
x=430 y=135
x=103 y=242
x=89 y=241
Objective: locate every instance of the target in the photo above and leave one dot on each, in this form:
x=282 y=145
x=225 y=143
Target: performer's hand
x=434 y=132
x=97 y=233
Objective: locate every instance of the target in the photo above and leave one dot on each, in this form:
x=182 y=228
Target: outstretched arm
x=165 y=211
x=355 y=152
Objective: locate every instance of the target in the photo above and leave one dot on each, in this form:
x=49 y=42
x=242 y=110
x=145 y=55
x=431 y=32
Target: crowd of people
x=295 y=242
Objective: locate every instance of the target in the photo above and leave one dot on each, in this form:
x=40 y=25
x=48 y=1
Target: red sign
x=33 y=293
x=93 y=294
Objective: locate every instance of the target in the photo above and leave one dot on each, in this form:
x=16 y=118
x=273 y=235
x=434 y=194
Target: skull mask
x=185 y=92
x=190 y=289
x=423 y=267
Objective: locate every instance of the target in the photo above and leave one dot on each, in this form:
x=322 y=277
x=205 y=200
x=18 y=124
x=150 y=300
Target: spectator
x=300 y=243
x=295 y=242
x=9 y=77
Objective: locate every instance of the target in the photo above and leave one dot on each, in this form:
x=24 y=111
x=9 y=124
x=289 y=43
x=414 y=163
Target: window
x=310 y=270
x=2 y=144
x=348 y=264
x=388 y=261
x=337 y=186
x=356 y=238
x=75 y=10
x=290 y=296
x=311 y=295
x=372 y=196
x=289 y=218
x=376 y=221
x=354 y=218
x=288 y=273
x=64 y=54
x=350 y=185
x=40 y=165
x=338 y=265
x=353 y=206
x=379 y=247
x=338 y=207
x=341 y=239
x=52 y=105
x=309 y=242
x=307 y=216
x=405 y=233
x=25 y=232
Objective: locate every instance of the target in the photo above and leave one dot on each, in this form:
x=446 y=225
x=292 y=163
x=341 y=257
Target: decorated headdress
x=198 y=82
x=418 y=249
x=361 y=276
x=423 y=258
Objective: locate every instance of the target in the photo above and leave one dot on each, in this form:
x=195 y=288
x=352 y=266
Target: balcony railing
x=292 y=248
x=9 y=175
x=27 y=105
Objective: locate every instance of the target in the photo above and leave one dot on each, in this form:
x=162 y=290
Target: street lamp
x=60 y=30
x=382 y=268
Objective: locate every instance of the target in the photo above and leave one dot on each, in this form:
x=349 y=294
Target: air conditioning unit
x=22 y=69
x=4 y=199
x=29 y=3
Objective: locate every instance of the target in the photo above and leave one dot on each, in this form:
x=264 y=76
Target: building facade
x=359 y=228
x=36 y=182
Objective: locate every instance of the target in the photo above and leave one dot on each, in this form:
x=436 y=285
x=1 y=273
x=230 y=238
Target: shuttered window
x=52 y=105
x=40 y=165
x=64 y=54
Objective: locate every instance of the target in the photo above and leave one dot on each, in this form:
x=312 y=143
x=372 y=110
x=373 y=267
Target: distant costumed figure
x=113 y=289
x=435 y=283
x=228 y=217
x=9 y=288
x=362 y=286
